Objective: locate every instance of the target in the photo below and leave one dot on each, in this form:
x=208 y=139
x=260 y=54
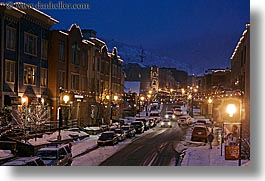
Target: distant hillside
x=132 y=54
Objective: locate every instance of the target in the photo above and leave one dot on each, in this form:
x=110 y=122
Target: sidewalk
x=203 y=156
x=84 y=146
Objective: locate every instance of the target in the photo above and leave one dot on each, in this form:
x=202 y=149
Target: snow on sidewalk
x=203 y=156
x=84 y=145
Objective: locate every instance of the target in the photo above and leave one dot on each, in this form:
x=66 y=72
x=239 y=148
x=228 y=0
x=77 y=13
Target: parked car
x=25 y=161
x=57 y=155
x=155 y=115
x=166 y=123
x=107 y=138
x=138 y=126
x=152 y=122
x=178 y=112
x=129 y=131
x=145 y=121
x=120 y=134
x=199 y=133
x=184 y=120
x=201 y=121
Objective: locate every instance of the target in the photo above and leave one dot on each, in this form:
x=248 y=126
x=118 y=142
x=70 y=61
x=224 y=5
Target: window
x=75 y=81
x=61 y=51
x=10 y=38
x=98 y=65
x=75 y=54
x=44 y=77
x=30 y=73
x=83 y=59
x=30 y=44
x=84 y=83
x=93 y=64
x=107 y=68
x=102 y=67
x=44 y=49
x=10 y=71
x=61 y=79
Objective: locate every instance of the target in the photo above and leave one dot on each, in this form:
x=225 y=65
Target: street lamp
x=115 y=98
x=66 y=98
x=231 y=109
x=139 y=104
x=24 y=99
x=190 y=98
x=210 y=100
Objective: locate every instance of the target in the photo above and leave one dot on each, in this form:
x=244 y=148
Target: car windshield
x=47 y=154
x=201 y=121
x=126 y=128
x=154 y=114
x=166 y=121
x=199 y=129
x=136 y=124
x=118 y=131
x=106 y=135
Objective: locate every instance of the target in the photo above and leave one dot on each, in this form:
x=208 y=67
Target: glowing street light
x=183 y=91
x=115 y=98
x=231 y=109
x=142 y=98
x=108 y=97
x=24 y=99
x=210 y=100
x=66 y=99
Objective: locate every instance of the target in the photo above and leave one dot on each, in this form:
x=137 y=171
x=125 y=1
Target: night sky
x=201 y=33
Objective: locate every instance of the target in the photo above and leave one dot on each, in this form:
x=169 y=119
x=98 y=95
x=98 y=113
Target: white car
x=170 y=115
x=166 y=123
x=178 y=112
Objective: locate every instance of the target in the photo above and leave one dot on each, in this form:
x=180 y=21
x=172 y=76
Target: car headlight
x=162 y=123
x=173 y=116
x=169 y=123
x=166 y=116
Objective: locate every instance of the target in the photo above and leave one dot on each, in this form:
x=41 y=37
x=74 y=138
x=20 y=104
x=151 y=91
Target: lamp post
x=115 y=98
x=140 y=99
x=66 y=98
x=231 y=109
x=210 y=107
x=191 y=104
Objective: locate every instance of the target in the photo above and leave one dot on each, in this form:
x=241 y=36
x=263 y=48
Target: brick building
x=23 y=54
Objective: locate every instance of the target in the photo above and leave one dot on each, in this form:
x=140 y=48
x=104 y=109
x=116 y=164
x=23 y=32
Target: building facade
x=24 y=55
x=148 y=76
x=82 y=68
x=240 y=77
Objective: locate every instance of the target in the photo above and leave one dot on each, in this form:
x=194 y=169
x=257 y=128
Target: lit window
x=44 y=77
x=30 y=73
